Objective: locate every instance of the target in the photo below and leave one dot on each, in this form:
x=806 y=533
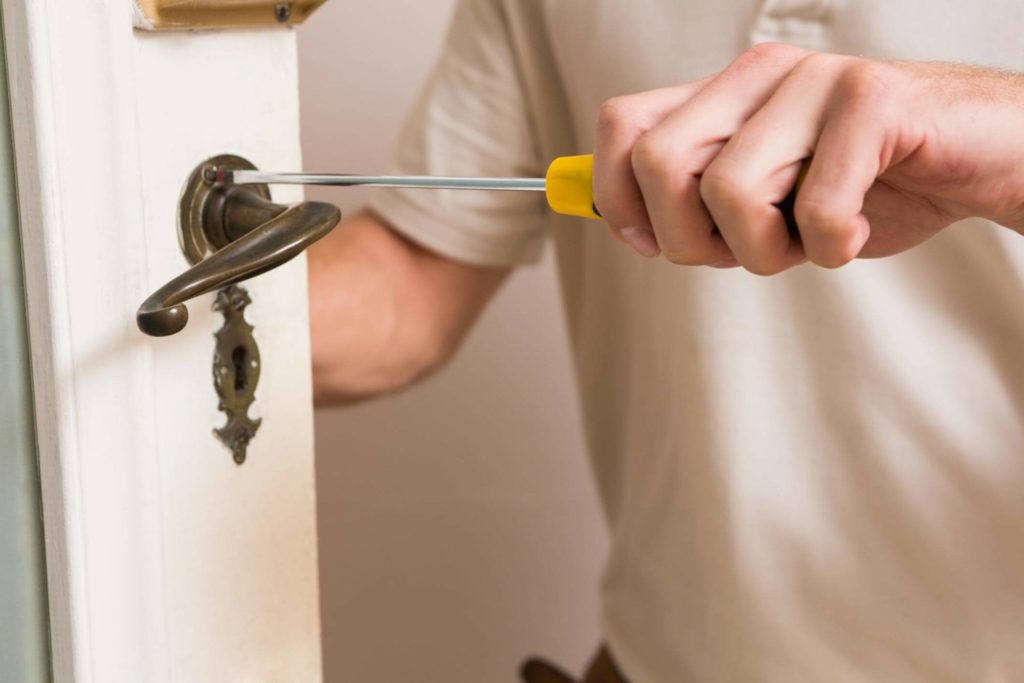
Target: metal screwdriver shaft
x=345 y=180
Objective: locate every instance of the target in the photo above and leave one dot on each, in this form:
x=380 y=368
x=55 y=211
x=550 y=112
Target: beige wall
x=459 y=528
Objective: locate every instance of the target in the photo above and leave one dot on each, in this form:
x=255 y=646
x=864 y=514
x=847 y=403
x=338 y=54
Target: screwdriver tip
x=215 y=175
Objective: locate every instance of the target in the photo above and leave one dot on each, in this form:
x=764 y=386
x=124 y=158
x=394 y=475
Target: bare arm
x=384 y=311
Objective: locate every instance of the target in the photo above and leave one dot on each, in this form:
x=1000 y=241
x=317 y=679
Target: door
x=166 y=560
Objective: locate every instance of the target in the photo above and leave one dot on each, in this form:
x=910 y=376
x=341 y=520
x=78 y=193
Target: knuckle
x=830 y=236
x=721 y=185
x=615 y=115
x=823 y=218
x=866 y=82
x=816 y=63
x=650 y=157
x=767 y=52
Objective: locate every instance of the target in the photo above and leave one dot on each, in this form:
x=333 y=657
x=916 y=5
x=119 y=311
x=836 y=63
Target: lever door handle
x=230 y=233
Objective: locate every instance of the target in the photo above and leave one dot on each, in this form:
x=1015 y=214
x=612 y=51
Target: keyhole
x=240 y=359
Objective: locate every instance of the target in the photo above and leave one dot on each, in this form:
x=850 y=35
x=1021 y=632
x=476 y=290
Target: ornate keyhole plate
x=236 y=371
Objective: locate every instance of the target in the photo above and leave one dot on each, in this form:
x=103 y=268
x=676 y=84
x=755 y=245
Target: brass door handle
x=230 y=233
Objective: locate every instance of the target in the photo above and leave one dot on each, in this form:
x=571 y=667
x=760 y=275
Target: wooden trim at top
x=160 y=15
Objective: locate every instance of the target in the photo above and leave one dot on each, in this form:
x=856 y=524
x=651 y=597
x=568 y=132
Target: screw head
x=283 y=12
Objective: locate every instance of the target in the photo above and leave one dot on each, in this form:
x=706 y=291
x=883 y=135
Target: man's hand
x=898 y=151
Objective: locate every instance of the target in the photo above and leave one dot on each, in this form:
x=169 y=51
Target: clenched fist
x=898 y=151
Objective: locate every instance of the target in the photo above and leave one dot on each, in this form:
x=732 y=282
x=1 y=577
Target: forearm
x=384 y=311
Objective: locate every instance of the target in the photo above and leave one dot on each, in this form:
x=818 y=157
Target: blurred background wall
x=459 y=527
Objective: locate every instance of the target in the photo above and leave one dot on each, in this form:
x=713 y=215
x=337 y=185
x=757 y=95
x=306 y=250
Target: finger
x=668 y=175
x=850 y=155
x=621 y=121
x=669 y=160
x=758 y=167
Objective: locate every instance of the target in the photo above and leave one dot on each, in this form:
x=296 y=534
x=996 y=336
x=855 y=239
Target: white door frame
x=89 y=262
x=52 y=45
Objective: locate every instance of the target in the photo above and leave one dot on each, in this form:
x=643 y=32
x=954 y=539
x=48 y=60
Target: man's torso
x=814 y=477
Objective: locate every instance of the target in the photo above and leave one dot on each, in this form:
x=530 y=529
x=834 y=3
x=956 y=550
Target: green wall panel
x=24 y=636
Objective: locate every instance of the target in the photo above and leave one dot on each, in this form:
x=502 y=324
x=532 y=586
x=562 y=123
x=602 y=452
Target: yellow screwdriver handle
x=570 y=189
x=570 y=186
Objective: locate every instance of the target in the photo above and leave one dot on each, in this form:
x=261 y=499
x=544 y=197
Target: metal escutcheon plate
x=236 y=371
x=198 y=197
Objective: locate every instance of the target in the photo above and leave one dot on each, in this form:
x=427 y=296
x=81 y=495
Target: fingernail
x=642 y=241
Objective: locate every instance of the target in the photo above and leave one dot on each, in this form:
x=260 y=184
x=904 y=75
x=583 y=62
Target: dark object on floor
x=602 y=670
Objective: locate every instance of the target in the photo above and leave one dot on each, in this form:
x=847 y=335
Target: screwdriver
x=567 y=185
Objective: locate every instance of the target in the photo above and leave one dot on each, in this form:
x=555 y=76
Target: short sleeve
x=470 y=120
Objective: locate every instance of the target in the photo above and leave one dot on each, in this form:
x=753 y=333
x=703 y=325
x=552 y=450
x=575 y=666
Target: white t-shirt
x=816 y=477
